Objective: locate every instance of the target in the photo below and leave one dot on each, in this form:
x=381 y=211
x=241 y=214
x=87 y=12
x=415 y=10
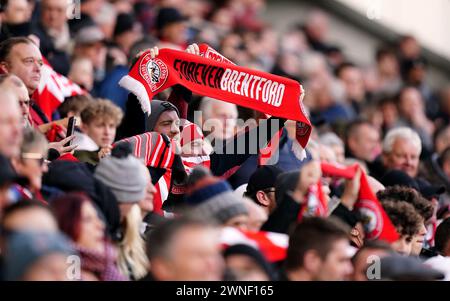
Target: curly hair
x=409 y=195
x=403 y=216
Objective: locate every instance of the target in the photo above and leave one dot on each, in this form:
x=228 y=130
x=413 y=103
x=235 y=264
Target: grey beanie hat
x=124 y=174
x=157 y=108
x=221 y=208
x=23 y=249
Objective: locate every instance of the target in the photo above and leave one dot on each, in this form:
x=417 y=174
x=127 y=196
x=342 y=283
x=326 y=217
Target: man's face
x=102 y=131
x=418 y=239
x=222 y=120
x=10 y=125
x=95 y=52
x=54 y=13
x=194 y=256
x=353 y=83
x=16 y=12
x=365 y=145
x=25 y=61
x=24 y=102
x=175 y=33
x=337 y=265
x=169 y=124
x=404 y=156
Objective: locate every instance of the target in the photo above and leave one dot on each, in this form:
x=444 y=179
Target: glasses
x=36 y=156
x=269 y=190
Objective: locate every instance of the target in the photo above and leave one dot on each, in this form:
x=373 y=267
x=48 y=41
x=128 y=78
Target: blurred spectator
x=318 y=250
x=401 y=150
x=74 y=105
x=421 y=205
x=406 y=221
x=89 y=11
x=11 y=123
x=31 y=256
x=335 y=143
x=437 y=170
x=7 y=178
x=441 y=139
x=442 y=239
x=15 y=18
x=126 y=32
x=384 y=78
x=363 y=143
x=82 y=73
x=412 y=113
x=352 y=78
x=316 y=30
x=324 y=98
x=398 y=268
x=443 y=116
x=184 y=249
x=16 y=84
x=79 y=219
x=27 y=215
x=128 y=179
x=32 y=163
x=364 y=256
x=219 y=118
x=389 y=112
x=257 y=216
x=100 y=120
x=261 y=187
x=54 y=35
x=90 y=44
x=213 y=199
x=414 y=72
x=106 y=19
x=171 y=28
x=409 y=47
x=245 y=263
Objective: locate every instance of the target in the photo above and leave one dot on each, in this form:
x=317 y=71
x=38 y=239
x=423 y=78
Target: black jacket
x=75 y=176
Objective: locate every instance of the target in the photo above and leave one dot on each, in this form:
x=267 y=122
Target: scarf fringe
x=298 y=150
x=138 y=89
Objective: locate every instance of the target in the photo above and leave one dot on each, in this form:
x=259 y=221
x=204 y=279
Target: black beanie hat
x=157 y=108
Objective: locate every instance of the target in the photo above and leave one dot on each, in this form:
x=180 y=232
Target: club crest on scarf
x=372 y=219
x=154 y=71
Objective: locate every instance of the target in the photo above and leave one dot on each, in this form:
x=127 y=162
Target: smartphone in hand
x=70 y=129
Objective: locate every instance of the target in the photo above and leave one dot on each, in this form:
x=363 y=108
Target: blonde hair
x=101 y=109
x=132 y=256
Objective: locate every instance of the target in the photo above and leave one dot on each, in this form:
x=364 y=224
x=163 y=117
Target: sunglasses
x=36 y=156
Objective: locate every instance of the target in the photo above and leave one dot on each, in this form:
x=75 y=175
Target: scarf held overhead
x=217 y=78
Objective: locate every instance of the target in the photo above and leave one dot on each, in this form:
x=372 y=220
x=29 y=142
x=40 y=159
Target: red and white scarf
x=377 y=223
x=210 y=74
